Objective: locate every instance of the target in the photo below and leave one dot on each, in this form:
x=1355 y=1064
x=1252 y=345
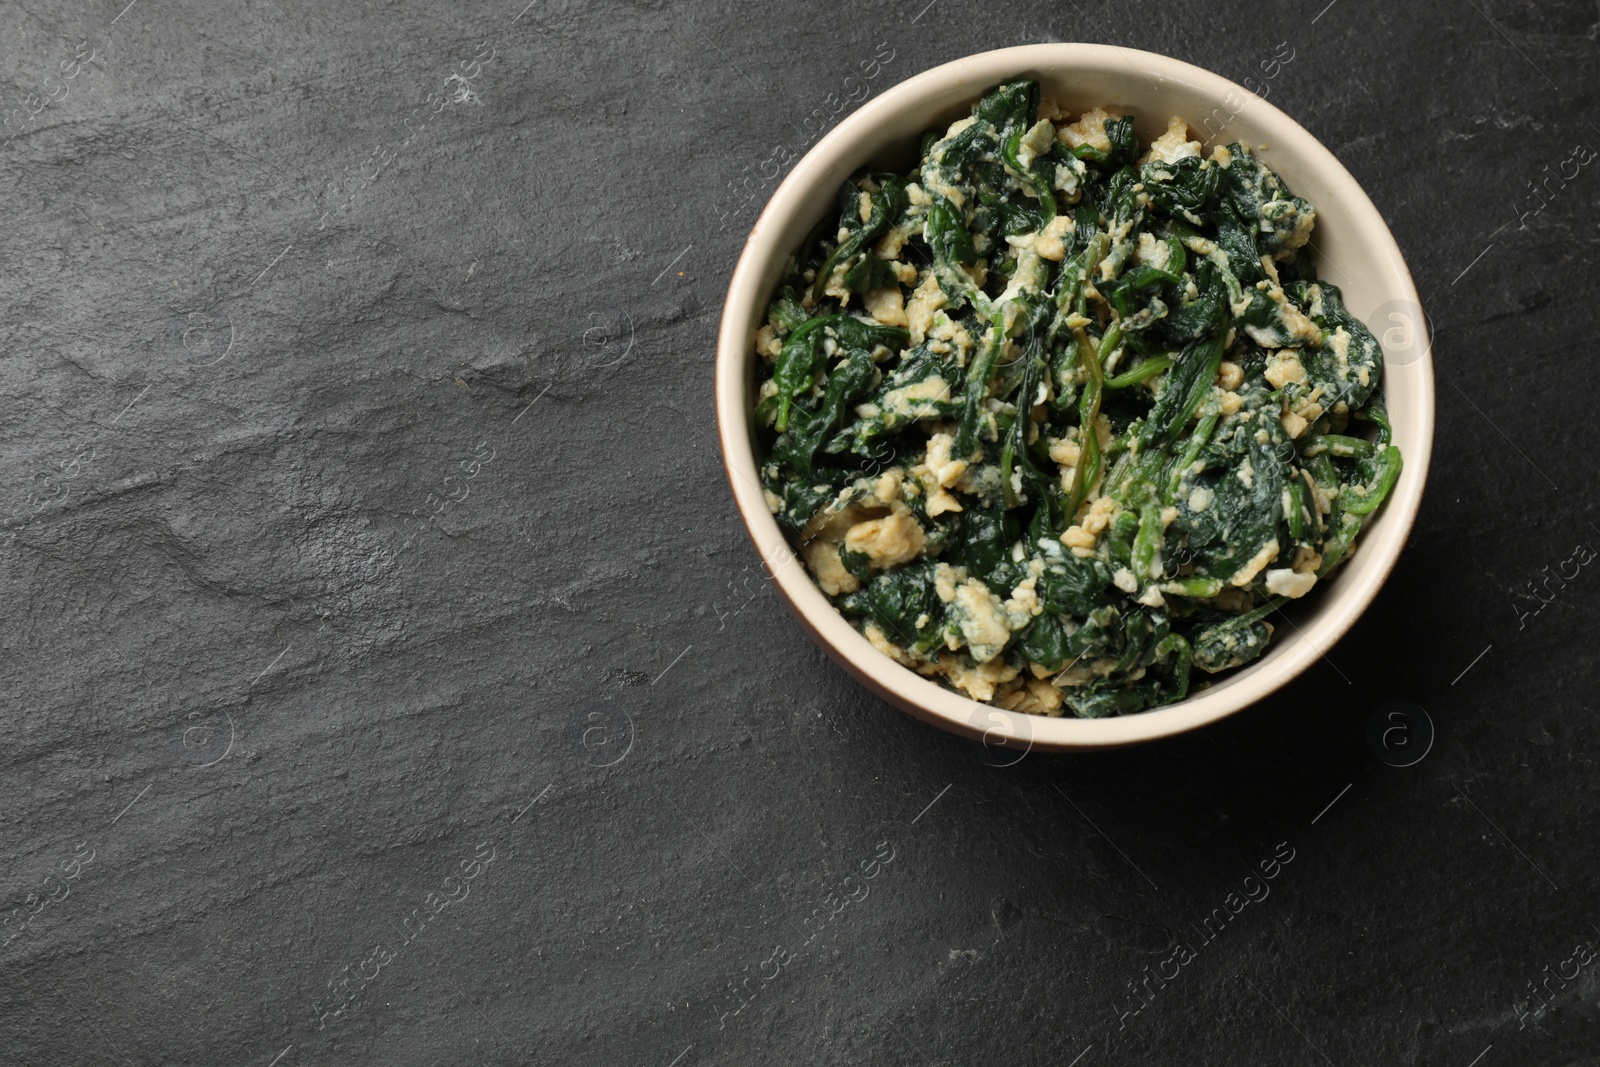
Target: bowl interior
x=1353 y=248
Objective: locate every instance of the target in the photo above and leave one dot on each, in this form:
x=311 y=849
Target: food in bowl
x=1057 y=417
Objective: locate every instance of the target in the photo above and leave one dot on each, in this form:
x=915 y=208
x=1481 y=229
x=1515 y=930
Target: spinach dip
x=1057 y=418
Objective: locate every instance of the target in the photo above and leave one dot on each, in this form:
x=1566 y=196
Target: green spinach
x=1079 y=405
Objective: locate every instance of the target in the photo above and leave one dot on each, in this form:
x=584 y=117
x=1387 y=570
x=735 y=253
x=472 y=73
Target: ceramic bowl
x=1353 y=249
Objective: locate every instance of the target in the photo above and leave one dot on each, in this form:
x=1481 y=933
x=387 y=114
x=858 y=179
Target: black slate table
x=388 y=678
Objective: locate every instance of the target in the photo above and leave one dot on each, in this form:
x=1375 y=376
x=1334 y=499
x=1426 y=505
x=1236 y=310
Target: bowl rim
x=900 y=685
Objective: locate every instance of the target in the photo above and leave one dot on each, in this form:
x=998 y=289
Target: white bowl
x=1353 y=248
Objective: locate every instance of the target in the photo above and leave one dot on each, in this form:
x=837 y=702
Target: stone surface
x=389 y=679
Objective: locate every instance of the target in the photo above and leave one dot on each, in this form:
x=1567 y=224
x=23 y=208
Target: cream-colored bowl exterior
x=1354 y=250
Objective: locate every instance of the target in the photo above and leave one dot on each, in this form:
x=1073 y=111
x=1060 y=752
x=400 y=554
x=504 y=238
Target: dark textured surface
x=363 y=516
